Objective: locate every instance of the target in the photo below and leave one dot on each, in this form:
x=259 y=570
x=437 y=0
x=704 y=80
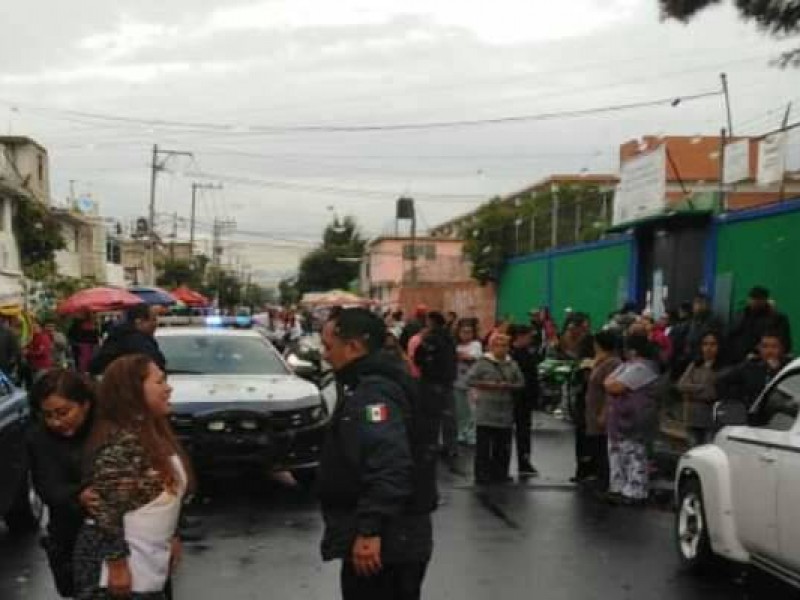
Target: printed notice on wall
x=772 y=158
x=642 y=189
x=737 y=161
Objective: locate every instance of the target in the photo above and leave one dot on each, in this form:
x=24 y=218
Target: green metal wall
x=763 y=251
x=523 y=286
x=591 y=279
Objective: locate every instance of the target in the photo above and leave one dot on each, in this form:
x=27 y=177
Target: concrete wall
x=467 y=299
x=31 y=163
x=386 y=263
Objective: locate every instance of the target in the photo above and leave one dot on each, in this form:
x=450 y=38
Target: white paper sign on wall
x=642 y=190
x=772 y=158
x=737 y=161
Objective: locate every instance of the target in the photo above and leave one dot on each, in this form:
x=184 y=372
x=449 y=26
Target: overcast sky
x=231 y=67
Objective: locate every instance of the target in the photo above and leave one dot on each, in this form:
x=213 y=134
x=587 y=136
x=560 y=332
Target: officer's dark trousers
x=440 y=409
x=522 y=427
x=399 y=581
x=598 y=450
x=492 y=453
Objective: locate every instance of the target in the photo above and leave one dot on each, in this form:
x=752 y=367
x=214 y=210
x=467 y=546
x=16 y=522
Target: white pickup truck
x=739 y=497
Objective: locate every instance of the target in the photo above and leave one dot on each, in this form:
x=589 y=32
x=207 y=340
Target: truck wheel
x=26 y=512
x=691 y=528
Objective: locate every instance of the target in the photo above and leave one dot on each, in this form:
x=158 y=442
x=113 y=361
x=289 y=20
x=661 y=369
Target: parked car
x=304 y=356
x=738 y=497
x=19 y=504
x=237 y=403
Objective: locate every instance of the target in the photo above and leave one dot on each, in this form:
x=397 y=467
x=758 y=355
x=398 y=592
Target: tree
x=191 y=273
x=287 y=291
x=780 y=18
x=225 y=286
x=39 y=238
x=335 y=263
x=503 y=228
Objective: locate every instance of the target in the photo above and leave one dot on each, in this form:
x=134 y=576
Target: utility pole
x=173 y=236
x=723 y=197
x=554 y=216
x=784 y=129
x=221 y=226
x=155 y=167
x=727 y=95
x=195 y=187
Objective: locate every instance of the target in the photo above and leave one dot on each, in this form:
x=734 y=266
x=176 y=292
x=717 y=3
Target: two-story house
x=23 y=178
x=401 y=272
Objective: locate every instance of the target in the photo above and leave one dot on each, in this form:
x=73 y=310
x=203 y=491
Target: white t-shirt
x=473 y=350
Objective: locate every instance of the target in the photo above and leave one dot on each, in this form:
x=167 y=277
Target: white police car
x=235 y=401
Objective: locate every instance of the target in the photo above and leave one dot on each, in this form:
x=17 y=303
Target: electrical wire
x=385 y=127
x=288 y=185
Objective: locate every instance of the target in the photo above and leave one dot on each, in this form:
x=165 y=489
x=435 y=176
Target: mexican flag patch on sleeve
x=377 y=413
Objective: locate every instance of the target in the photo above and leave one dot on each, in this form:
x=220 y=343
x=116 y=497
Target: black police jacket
x=436 y=358
x=368 y=482
x=123 y=341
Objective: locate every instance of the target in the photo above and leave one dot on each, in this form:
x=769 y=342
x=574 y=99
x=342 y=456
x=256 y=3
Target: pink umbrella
x=99 y=299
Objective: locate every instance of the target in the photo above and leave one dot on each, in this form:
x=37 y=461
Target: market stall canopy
x=99 y=299
x=334 y=298
x=153 y=295
x=190 y=298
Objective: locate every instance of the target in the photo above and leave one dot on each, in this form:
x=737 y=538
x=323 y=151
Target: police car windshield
x=220 y=355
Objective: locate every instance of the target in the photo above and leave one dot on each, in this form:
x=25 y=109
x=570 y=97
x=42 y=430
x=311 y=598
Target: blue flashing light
x=214 y=321
x=244 y=321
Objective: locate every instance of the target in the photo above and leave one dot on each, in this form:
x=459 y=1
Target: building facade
x=14 y=188
x=693 y=167
x=391 y=263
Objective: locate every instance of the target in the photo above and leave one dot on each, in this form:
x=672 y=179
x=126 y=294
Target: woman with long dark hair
x=699 y=388
x=140 y=474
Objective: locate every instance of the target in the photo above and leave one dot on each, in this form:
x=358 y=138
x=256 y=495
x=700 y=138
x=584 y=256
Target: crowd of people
x=102 y=456
x=411 y=393
x=625 y=372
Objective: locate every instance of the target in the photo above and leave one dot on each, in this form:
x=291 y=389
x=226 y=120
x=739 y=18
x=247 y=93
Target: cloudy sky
x=236 y=82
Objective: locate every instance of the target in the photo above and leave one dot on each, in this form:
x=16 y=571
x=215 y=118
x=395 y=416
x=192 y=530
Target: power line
x=207 y=127
x=288 y=185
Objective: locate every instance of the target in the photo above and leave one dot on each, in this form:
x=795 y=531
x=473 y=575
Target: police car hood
x=269 y=391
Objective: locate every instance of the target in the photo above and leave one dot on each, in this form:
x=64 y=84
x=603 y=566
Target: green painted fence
x=594 y=281
x=523 y=287
x=592 y=278
x=764 y=250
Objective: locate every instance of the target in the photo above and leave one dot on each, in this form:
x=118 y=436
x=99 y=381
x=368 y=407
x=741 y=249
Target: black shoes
x=526 y=469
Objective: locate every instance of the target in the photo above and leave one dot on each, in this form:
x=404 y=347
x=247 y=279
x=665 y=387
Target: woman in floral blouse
x=140 y=474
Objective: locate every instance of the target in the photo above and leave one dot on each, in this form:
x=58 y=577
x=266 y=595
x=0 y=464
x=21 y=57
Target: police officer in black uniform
x=376 y=483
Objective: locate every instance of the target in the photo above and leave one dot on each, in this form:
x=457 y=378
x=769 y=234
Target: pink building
x=392 y=263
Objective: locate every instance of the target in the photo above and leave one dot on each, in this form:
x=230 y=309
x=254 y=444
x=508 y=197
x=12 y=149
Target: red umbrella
x=190 y=297
x=100 y=299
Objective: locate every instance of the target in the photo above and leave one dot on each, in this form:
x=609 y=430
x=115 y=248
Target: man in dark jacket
x=758 y=317
x=414 y=326
x=134 y=336
x=746 y=381
x=437 y=363
x=376 y=483
x=526 y=399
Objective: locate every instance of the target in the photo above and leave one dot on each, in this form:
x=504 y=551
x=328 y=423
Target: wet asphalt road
x=542 y=540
